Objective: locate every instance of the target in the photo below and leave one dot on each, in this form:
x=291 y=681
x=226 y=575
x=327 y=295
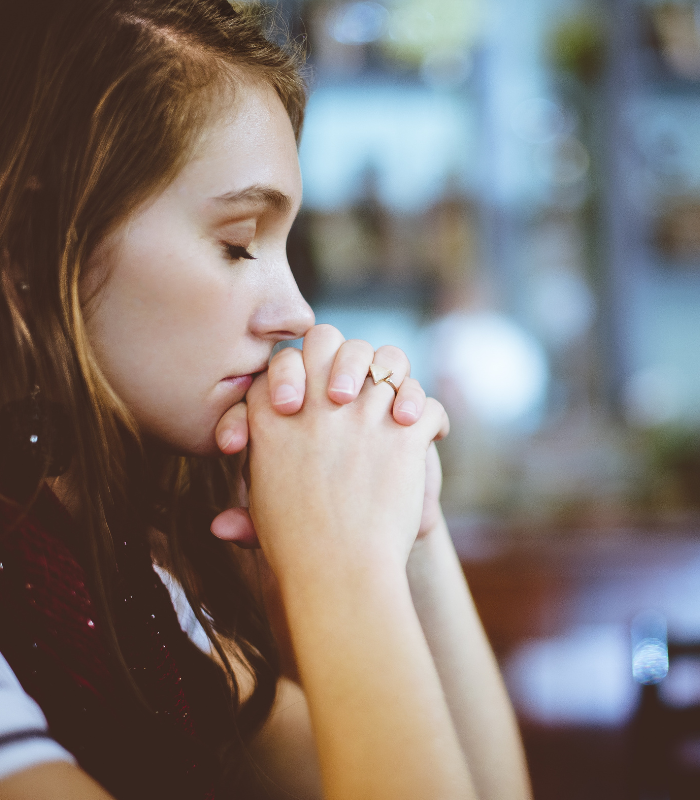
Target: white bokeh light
x=498 y=367
x=358 y=23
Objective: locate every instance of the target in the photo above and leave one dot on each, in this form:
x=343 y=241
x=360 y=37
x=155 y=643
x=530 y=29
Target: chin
x=206 y=448
x=177 y=443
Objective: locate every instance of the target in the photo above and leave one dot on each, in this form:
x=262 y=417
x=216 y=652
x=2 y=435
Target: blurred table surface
x=538 y=586
x=557 y=608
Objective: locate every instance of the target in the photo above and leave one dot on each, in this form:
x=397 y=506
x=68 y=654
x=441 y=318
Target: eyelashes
x=235 y=252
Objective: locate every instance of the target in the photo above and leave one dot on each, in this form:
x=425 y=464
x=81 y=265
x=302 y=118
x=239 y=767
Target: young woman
x=148 y=181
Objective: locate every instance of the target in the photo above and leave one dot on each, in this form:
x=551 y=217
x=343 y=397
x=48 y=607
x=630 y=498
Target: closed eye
x=235 y=252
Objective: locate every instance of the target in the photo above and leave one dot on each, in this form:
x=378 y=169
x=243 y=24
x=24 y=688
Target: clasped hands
x=327 y=447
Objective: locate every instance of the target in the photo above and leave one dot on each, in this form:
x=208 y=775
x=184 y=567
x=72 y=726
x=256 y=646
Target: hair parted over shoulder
x=101 y=104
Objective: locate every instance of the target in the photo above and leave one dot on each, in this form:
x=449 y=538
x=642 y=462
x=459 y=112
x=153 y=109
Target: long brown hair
x=101 y=103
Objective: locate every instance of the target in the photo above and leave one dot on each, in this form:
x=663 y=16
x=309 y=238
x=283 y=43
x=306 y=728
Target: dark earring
x=35 y=441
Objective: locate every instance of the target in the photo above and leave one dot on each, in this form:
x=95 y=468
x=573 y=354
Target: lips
x=243 y=382
x=240 y=382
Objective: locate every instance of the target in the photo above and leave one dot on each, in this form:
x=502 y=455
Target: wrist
x=321 y=556
x=434 y=528
x=341 y=579
x=429 y=553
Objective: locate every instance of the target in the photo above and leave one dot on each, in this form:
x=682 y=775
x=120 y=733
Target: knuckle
x=324 y=330
x=322 y=340
x=413 y=385
x=360 y=348
x=435 y=407
x=395 y=355
x=392 y=351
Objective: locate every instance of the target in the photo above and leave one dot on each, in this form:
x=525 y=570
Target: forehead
x=249 y=141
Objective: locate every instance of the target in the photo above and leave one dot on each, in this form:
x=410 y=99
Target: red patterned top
x=173 y=744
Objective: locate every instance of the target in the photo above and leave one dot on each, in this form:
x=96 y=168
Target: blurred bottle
x=649 y=648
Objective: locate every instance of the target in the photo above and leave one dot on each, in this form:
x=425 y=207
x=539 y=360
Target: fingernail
x=344 y=384
x=284 y=395
x=409 y=407
x=225 y=438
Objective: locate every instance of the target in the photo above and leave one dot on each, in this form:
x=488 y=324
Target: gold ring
x=392 y=384
x=382 y=375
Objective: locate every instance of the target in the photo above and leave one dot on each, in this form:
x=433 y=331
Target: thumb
x=235 y=525
x=232 y=429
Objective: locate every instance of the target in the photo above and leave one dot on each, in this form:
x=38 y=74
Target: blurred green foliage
x=577 y=45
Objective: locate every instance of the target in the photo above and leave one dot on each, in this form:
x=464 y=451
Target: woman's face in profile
x=184 y=318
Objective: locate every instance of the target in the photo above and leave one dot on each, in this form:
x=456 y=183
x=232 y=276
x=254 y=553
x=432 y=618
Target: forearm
x=382 y=727
x=284 y=750
x=52 y=781
x=475 y=693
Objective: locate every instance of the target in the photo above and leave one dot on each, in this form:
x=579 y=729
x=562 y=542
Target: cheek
x=150 y=279
x=169 y=320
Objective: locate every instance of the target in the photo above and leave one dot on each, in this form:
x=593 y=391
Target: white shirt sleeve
x=24 y=736
x=185 y=616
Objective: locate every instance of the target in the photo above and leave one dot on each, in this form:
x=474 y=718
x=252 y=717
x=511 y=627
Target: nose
x=284 y=314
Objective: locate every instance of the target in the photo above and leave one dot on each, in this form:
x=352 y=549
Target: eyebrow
x=262 y=195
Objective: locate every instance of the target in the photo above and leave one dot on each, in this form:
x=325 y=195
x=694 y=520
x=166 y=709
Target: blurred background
x=509 y=190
